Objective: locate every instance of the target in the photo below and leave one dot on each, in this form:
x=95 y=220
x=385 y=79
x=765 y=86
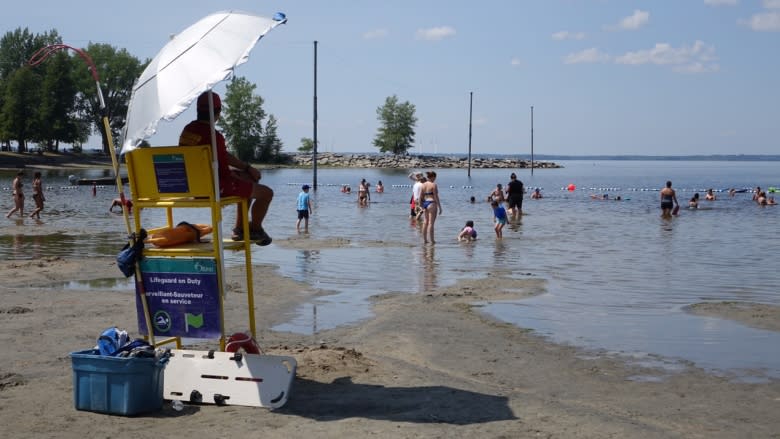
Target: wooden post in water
x=471 y=102
x=532 y=140
x=314 y=155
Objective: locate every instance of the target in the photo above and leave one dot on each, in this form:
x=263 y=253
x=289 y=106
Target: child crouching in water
x=468 y=233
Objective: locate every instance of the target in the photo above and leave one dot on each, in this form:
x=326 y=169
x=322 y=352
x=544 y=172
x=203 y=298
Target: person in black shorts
x=514 y=196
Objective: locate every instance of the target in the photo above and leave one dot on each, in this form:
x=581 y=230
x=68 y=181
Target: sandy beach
x=428 y=365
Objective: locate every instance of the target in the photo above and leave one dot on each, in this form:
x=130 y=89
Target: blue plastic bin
x=119 y=386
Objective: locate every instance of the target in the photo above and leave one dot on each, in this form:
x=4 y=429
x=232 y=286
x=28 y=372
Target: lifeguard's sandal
x=258 y=236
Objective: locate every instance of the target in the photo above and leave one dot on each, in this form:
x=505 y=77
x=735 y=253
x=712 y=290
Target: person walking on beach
x=514 y=196
x=304 y=208
x=37 y=190
x=431 y=206
x=668 y=200
x=18 y=195
x=500 y=218
x=241 y=180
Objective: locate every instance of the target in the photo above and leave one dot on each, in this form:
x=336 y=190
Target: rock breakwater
x=346 y=160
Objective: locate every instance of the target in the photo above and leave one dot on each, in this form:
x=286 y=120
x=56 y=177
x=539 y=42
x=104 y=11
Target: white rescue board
x=229 y=378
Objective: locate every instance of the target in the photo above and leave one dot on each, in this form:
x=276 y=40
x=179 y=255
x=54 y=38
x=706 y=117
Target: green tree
x=118 y=71
x=271 y=145
x=307 y=145
x=18 y=116
x=16 y=49
x=397 y=123
x=241 y=119
x=56 y=111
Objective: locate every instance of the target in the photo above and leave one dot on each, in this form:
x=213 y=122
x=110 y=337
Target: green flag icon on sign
x=194 y=320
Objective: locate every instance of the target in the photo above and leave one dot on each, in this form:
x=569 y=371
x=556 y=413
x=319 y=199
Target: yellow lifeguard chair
x=181 y=177
x=192 y=275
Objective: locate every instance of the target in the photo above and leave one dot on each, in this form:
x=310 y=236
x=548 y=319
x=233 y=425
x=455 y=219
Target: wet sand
x=428 y=365
x=757 y=315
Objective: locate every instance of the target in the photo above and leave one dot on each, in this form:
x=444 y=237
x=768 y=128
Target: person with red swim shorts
x=236 y=178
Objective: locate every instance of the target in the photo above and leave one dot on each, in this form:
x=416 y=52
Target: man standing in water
x=668 y=201
x=514 y=196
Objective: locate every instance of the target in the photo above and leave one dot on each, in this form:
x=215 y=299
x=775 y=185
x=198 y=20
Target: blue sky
x=663 y=77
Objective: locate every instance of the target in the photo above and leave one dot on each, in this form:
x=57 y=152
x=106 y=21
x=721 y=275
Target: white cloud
x=516 y=62
x=375 y=34
x=721 y=2
x=566 y=35
x=633 y=22
x=772 y=4
x=435 y=33
x=592 y=55
x=764 y=22
x=698 y=58
x=697 y=67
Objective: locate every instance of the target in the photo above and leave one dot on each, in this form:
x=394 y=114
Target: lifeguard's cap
x=203 y=101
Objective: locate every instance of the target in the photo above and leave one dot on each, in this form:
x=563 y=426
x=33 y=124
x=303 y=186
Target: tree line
x=56 y=102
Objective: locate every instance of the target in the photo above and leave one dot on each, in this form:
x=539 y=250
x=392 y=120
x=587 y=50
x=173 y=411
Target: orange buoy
x=183 y=233
x=571 y=187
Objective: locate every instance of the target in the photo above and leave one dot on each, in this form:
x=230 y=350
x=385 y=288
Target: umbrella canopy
x=192 y=62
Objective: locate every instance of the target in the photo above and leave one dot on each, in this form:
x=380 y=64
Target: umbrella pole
x=126 y=214
x=37 y=58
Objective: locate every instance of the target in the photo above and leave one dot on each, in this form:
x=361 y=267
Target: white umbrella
x=192 y=62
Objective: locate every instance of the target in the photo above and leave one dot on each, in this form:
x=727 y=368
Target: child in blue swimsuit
x=499 y=217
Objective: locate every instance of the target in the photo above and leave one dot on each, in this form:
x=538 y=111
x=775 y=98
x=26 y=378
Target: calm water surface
x=618 y=275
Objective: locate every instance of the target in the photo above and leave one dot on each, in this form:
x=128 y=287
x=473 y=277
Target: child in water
x=468 y=233
x=499 y=217
x=694 y=202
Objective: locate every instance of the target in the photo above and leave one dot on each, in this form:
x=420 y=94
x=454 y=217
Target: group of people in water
x=670 y=205
x=425 y=206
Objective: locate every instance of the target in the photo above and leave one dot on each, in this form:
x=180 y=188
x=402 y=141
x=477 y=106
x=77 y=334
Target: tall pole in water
x=532 y=140
x=314 y=155
x=471 y=103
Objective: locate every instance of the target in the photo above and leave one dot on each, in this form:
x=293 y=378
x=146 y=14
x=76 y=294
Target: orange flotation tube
x=183 y=233
x=242 y=340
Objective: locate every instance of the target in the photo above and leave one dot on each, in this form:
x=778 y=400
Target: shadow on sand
x=343 y=399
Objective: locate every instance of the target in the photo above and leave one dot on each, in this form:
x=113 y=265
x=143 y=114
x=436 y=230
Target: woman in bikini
x=37 y=189
x=431 y=206
x=18 y=195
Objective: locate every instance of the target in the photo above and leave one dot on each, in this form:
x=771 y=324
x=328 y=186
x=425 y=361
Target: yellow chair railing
x=175 y=177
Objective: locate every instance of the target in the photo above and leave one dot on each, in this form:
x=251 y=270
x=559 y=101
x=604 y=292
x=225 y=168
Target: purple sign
x=183 y=297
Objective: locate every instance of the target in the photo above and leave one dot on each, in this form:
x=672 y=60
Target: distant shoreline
x=10 y=161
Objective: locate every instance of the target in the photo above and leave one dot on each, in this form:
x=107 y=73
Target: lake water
x=618 y=275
